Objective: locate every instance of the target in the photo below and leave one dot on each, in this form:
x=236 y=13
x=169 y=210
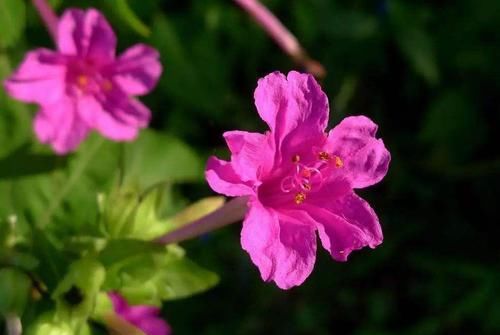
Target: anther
x=324 y=156
x=338 y=162
x=300 y=197
x=82 y=80
x=295 y=159
x=306 y=186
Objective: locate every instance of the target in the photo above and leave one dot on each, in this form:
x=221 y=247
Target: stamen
x=324 y=156
x=295 y=159
x=82 y=80
x=338 y=162
x=306 y=186
x=287 y=184
x=300 y=197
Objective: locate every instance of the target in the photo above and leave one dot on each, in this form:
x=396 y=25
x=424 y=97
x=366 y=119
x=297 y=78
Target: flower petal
x=60 y=126
x=108 y=119
x=349 y=224
x=39 y=78
x=292 y=104
x=137 y=70
x=86 y=34
x=251 y=154
x=365 y=158
x=222 y=178
x=281 y=246
x=154 y=326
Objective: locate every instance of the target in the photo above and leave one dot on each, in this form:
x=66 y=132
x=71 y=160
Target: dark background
x=428 y=74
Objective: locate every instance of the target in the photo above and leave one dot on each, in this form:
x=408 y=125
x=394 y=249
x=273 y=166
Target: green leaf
x=153 y=277
x=13 y=17
x=15 y=287
x=118 y=250
x=156 y=157
x=123 y=10
x=48 y=324
x=414 y=41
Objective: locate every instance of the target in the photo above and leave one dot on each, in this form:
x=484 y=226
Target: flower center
x=305 y=178
x=87 y=78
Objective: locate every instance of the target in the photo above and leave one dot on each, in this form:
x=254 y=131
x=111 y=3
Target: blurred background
x=426 y=72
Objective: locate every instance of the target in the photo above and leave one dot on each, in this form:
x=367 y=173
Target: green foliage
x=148 y=276
x=15 y=288
x=12 y=16
x=427 y=73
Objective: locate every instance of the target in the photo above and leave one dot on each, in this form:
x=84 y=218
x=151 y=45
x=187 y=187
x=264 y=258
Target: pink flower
x=84 y=85
x=300 y=179
x=144 y=317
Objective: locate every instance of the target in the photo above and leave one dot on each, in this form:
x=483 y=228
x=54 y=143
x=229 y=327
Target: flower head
x=300 y=179
x=83 y=85
x=144 y=317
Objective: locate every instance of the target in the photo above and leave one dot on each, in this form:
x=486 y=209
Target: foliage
x=426 y=72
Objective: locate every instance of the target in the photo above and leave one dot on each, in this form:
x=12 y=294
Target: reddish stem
x=48 y=16
x=233 y=211
x=281 y=35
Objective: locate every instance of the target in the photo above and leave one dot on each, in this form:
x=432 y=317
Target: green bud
x=76 y=294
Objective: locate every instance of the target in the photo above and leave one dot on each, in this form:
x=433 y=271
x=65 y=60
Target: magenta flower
x=300 y=180
x=83 y=85
x=144 y=317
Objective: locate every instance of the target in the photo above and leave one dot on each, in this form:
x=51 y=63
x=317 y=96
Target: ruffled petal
x=109 y=119
x=365 y=158
x=282 y=247
x=138 y=69
x=251 y=154
x=154 y=326
x=222 y=178
x=39 y=78
x=294 y=107
x=349 y=224
x=86 y=34
x=60 y=126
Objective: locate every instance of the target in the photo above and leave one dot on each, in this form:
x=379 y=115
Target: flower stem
x=48 y=16
x=13 y=324
x=233 y=211
x=282 y=36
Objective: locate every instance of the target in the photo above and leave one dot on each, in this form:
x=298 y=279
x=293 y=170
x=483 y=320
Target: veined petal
x=87 y=34
x=294 y=107
x=281 y=246
x=138 y=69
x=349 y=224
x=365 y=158
x=60 y=126
x=105 y=119
x=222 y=178
x=251 y=154
x=39 y=78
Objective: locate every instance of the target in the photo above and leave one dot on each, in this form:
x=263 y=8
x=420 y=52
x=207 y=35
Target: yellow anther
x=107 y=85
x=338 y=162
x=300 y=197
x=324 y=156
x=295 y=159
x=82 y=80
